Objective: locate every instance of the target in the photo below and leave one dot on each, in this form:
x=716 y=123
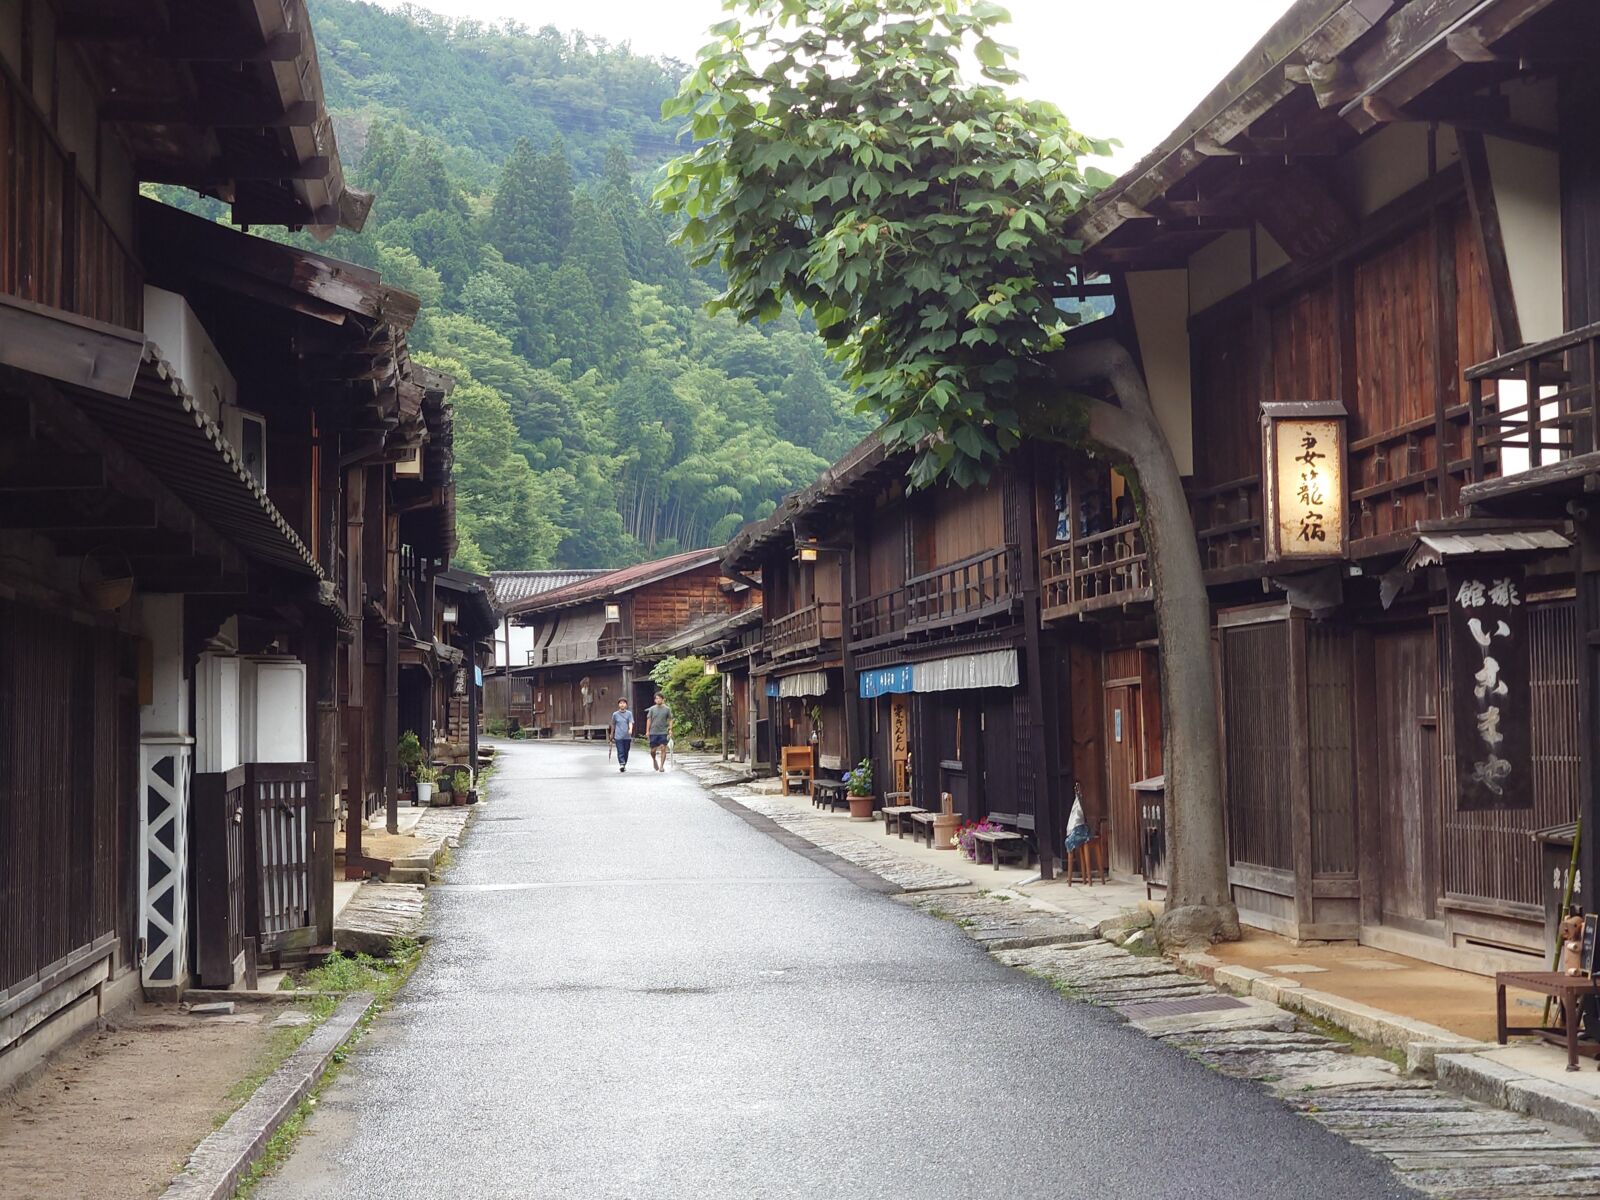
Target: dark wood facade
x=187 y=504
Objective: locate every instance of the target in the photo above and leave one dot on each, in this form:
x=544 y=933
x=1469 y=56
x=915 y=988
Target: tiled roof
x=610 y=583
x=510 y=587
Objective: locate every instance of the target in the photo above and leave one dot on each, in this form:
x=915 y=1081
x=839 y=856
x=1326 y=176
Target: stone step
x=399 y=874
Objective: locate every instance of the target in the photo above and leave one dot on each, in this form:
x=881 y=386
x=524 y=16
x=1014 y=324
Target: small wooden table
x=830 y=794
x=1569 y=990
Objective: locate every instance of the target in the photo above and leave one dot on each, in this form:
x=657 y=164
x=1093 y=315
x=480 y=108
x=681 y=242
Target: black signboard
x=1586 y=959
x=1488 y=628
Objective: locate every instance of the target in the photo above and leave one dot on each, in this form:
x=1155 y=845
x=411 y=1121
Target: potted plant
x=426 y=778
x=858 y=783
x=461 y=787
x=409 y=755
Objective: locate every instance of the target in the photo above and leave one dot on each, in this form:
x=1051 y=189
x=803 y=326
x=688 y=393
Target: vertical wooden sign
x=1489 y=687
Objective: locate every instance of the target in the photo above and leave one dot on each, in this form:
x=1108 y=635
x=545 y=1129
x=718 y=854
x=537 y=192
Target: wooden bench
x=896 y=812
x=1002 y=844
x=922 y=827
x=1570 y=991
x=1020 y=824
x=831 y=794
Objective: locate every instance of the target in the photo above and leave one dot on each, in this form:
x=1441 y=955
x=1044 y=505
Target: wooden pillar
x=1587 y=559
x=1299 y=797
x=471 y=669
x=324 y=816
x=855 y=743
x=1040 y=684
x=391 y=726
x=355 y=501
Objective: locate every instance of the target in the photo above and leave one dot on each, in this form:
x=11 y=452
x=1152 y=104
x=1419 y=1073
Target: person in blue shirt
x=621 y=733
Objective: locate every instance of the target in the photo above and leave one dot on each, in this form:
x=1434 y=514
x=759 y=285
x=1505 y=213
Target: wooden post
x=1491 y=241
x=1300 y=773
x=355 y=500
x=855 y=745
x=1043 y=724
x=1587 y=562
x=391 y=725
x=327 y=803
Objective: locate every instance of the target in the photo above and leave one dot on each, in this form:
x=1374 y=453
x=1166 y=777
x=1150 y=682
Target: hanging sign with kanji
x=1303 y=481
x=1489 y=691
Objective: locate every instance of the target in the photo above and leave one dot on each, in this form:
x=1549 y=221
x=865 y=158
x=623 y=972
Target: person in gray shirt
x=658 y=726
x=621 y=733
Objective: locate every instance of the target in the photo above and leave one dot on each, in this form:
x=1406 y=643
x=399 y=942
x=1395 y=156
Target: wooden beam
x=32 y=466
x=216 y=113
x=1490 y=240
x=236 y=171
x=104 y=511
x=196 y=585
x=163 y=543
x=1414 y=52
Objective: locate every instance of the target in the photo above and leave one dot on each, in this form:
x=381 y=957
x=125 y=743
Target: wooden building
x=1383 y=218
x=508 y=698
x=588 y=637
x=942 y=662
x=201 y=515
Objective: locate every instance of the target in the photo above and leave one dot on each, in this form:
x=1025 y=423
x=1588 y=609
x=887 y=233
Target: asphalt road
x=634 y=992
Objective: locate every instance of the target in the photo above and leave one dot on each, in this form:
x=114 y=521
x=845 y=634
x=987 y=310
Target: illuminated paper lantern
x=1306 y=504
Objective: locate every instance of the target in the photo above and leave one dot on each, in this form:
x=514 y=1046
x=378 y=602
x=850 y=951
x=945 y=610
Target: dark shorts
x=657 y=739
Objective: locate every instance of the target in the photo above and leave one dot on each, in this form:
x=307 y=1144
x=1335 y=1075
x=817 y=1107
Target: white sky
x=1131 y=69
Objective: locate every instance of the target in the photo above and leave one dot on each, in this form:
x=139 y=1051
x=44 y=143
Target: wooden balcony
x=803 y=631
x=1539 y=421
x=877 y=619
x=1103 y=570
x=1227 y=523
x=57 y=249
x=985 y=585
x=612 y=646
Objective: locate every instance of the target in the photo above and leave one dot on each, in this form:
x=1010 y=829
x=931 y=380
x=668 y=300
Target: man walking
x=620 y=734
x=658 y=725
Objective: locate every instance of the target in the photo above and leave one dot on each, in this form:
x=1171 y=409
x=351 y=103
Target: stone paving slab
x=998 y=924
x=830 y=835
x=378 y=916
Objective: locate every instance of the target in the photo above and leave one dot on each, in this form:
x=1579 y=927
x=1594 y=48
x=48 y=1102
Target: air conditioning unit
x=272 y=709
x=171 y=324
x=246 y=432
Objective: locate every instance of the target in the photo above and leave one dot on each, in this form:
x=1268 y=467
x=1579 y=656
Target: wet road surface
x=634 y=992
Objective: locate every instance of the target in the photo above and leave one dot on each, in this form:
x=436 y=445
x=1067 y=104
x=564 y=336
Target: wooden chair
x=1090 y=857
x=798 y=764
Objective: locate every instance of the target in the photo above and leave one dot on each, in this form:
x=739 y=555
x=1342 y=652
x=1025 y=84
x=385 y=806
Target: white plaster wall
x=1391 y=162
x=216 y=713
x=1222 y=267
x=272 y=708
x=1527 y=192
x=1160 y=302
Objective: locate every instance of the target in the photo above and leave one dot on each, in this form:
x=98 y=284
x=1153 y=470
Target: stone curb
x=214 y=1169
x=1506 y=1087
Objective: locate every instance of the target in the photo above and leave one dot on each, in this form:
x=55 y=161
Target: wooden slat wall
x=47 y=216
x=1255 y=697
x=1488 y=855
x=672 y=605
x=1227 y=404
x=957 y=523
x=1329 y=684
x=1305 y=346
x=1393 y=340
x=885 y=566
x=59 y=805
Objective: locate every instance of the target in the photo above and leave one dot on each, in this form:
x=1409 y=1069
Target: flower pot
x=424 y=794
x=944 y=830
x=860 y=807
x=472 y=796
x=443 y=799
x=462 y=799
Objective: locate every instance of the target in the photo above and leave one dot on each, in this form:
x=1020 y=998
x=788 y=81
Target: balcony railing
x=616 y=646
x=981 y=586
x=803 y=630
x=1543 y=408
x=1102 y=570
x=1396 y=477
x=879 y=618
x=1227 y=523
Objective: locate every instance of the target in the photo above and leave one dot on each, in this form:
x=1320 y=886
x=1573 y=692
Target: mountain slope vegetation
x=603 y=416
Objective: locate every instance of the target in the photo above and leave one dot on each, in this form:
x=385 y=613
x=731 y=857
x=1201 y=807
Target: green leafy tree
x=848 y=164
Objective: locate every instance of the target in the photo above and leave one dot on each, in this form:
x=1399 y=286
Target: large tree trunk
x=1199 y=904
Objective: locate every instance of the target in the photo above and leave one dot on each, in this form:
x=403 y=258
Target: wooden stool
x=1088 y=858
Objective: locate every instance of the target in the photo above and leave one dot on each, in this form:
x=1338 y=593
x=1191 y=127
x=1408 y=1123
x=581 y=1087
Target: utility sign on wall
x=1489 y=690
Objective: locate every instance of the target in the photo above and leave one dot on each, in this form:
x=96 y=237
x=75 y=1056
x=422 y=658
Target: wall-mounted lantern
x=450 y=614
x=1305 y=504
x=711 y=668
x=613 y=613
x=806 y=549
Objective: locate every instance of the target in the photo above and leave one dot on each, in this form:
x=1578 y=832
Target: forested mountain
x=602 y=416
